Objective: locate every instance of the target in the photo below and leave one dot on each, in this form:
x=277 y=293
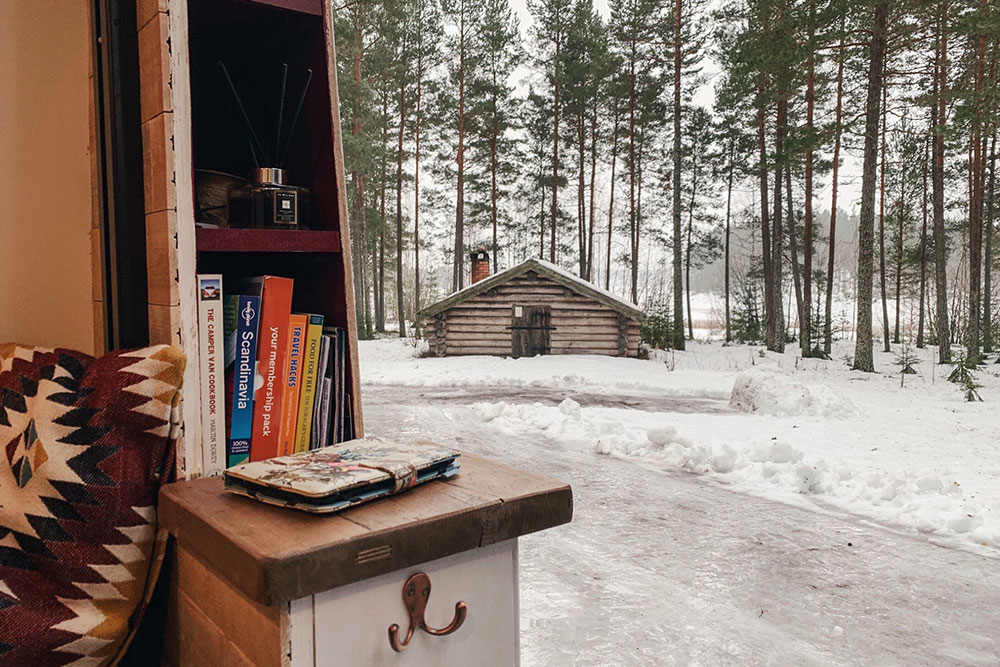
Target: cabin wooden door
x=529 y=331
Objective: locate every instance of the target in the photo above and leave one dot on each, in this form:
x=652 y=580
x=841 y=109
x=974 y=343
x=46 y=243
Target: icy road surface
x=661 y=567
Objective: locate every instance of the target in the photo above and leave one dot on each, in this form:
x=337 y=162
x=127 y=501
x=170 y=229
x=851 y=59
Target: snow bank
x=929 y=501
x=918 y=457
x=394 y=361
x=767 y=391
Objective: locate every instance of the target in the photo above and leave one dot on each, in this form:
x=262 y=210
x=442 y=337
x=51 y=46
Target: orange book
x=272 y=345
x=290 y=402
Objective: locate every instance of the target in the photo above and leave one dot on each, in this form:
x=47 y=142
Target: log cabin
x=531 y=309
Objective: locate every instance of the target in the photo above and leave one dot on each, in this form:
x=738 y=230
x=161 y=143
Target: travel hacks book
x=212 y=358
x=308 y=393
x=297 y=327
x=272 y=343
x=244 y=377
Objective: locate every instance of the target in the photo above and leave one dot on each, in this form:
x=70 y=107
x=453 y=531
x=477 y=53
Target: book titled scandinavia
x=244 y=379
x=333 y=478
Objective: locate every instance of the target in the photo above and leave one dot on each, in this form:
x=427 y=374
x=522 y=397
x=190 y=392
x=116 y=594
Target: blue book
x=244 y=373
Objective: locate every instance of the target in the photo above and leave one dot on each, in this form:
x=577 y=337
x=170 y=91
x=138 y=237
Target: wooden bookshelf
x=190 y=123
x=251 y=584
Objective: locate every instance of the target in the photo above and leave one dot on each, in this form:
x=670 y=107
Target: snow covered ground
x=671 y=563
x=809 y=433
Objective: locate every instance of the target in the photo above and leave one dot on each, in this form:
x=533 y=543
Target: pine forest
x=824 y=169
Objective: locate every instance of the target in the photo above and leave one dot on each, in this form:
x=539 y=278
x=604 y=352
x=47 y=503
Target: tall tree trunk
x=581 y=190
x=632 y=170
x=638 y=217
x=593 y=173
x=899 y=249
x=380 y=291
x=923 y=247
x=937 y=185
x=458 y=268
x=494 y=167
x=688 y=249
x=416 y=195
x=863 y=358
x=358 y=205
x=881 y=225
x=834 y=184
x=976 y=204
x=765 y=226
x=778 y=236
x=678 y=285
x=400 y=312
x=541 y=227
x=805 y=324
x=611 y=199
x=729 y=208
x=802 y=306
x=988 y=262
x=555 y=150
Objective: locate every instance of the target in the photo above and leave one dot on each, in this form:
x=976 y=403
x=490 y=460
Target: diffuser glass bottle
x=268 y=202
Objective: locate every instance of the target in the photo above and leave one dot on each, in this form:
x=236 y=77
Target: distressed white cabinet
x=260 y=585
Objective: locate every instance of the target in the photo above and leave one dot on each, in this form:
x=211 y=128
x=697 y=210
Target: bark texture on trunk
x=400 y=310
x=943 y=332
x=834 y=185
x=863 y=358
x=678 y=285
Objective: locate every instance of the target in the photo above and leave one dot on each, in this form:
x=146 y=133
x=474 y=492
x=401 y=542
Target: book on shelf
x=307 y=394
x=275 y=310
x=322 y=399
x=246 y=316
x=297 y=327
x=210 y=353
x=285 y=374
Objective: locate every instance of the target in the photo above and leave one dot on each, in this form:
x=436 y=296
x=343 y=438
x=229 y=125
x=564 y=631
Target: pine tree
x=633 y=31
x=427 y=35
x=493 y=153
x=863 y=359
x=550 y=33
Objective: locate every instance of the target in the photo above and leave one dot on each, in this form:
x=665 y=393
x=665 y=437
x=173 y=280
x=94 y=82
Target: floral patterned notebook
x=333 y=478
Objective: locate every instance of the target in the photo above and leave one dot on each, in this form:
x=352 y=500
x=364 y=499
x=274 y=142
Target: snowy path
x=668 y=568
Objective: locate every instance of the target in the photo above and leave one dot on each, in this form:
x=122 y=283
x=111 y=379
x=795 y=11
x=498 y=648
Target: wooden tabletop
x=274 y=554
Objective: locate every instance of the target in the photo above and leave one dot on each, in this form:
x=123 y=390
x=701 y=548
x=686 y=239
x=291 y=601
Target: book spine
x=322 y=399
x=210 y=335
x=307 y=394
x=275 y=310
x=297 y=326
x=244 y=373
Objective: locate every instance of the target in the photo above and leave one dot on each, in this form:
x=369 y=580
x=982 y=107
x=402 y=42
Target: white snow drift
x=793 y=430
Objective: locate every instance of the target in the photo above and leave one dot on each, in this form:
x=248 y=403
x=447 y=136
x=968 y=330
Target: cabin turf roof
x=545 y=270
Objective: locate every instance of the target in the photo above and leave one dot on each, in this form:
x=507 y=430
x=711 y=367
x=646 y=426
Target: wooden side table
x=261 y=585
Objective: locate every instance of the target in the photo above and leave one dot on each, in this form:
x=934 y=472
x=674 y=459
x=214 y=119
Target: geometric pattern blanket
x=85 y=444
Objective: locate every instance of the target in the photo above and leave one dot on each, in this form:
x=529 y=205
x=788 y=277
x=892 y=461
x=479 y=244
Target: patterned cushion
x=84 y=446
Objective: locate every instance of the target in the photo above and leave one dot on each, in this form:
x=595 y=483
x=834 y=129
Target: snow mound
x=766 y=391
x=921 y=498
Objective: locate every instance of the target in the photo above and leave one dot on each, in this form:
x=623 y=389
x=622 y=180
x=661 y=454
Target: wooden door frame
x=119 y=246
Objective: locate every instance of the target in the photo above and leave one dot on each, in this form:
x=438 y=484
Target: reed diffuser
x=267 y=200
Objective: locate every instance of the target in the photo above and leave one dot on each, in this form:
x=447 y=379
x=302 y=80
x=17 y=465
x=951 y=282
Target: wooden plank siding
x=479 y=324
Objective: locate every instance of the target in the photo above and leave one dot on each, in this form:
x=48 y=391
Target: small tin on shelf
x=268 y=202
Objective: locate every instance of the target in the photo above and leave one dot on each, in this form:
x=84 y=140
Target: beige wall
x=45 y=168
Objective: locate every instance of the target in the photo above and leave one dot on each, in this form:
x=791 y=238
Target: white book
x=211 y=352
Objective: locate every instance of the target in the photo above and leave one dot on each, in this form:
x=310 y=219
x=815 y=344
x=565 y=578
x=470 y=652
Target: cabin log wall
x=478 y=325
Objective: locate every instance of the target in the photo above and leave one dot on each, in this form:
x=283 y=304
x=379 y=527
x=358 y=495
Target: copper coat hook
x=416 y=592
